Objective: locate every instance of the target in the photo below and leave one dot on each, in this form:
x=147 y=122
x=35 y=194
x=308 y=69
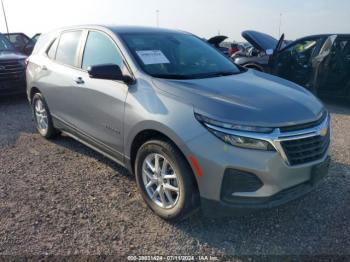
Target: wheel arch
x=154 y=131
x=32 y=91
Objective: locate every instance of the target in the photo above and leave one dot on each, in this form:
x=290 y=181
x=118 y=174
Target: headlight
x=242 y=141
x=237 y=140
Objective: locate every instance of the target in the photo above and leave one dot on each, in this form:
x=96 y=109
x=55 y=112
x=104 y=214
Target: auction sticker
x=152 y=57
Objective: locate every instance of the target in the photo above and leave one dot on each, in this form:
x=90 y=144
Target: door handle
x=43 y=68
x=79 y=80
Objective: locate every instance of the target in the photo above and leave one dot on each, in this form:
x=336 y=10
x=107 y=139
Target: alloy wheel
x=41 y=116
x=160 y=181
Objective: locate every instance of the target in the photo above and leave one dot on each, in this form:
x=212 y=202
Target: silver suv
x=194 y=128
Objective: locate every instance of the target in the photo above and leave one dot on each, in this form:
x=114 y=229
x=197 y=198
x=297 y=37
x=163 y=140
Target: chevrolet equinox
x=195 y=129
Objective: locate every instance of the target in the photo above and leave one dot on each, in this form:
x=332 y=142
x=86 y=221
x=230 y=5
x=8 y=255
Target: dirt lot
x=59 y=197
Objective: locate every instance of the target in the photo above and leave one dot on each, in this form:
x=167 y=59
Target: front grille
x=11 y=70
x=305 y=150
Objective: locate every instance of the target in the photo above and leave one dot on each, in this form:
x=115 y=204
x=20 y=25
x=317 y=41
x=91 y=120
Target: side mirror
x=269 y=51
x=106 y=71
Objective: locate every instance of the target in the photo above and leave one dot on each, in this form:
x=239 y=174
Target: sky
x=204 y=18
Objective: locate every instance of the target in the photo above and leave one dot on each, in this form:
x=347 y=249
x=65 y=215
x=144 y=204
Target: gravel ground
x=59 y=197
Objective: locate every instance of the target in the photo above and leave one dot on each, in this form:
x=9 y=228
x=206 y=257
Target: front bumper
x=13 y=87
x=280 y=182
x=244 y=205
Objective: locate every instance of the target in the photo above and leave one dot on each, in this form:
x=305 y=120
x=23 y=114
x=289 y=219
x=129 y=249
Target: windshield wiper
x=195 y=76
x=216 y=74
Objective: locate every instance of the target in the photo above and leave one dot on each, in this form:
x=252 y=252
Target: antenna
x=157 y=17
x=3 y=10
x=279 y=27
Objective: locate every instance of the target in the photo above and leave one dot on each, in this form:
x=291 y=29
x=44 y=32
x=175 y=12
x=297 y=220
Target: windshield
x=5 y=44
x=177 y=56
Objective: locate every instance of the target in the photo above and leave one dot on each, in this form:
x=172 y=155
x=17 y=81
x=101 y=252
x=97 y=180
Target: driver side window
x=99 y=50
x=299 y=54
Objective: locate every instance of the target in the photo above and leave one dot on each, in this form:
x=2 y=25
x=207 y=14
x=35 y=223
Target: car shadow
x=337 y=106
x=314 y=222
x=77 y=147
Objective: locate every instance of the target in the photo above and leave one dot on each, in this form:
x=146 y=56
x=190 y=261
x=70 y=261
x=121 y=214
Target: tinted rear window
x=67 y=47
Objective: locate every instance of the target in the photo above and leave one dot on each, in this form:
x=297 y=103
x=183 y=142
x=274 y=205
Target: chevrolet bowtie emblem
x=324 y=131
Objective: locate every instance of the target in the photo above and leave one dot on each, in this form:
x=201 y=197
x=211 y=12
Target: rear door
x=59 y=73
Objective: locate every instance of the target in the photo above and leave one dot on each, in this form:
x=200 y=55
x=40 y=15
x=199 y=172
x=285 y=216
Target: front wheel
x=165 y=180
x=42 y=117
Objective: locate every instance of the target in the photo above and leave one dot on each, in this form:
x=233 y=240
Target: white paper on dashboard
x=152 y=57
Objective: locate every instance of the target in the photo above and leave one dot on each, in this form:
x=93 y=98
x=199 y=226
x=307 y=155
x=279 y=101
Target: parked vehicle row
x=320 y=63
x=12 y=69
x=194 y=128
x=228 y=49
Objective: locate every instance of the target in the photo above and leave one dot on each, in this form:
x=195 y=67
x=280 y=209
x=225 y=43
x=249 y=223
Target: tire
x=186 y=200
x=42 y=117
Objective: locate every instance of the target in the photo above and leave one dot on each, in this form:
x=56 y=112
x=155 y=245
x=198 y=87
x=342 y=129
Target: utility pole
x=279 y=27
x=3 y=10
x=157 y=17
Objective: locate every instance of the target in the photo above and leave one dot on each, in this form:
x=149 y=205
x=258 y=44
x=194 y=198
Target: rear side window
x=52 y=50
x=100 y=49
x=68 y=47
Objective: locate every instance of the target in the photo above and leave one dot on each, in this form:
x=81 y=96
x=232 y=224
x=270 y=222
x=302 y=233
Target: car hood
x=217 y=40
x=259 y=40
x=251 y=98
x=11 y=55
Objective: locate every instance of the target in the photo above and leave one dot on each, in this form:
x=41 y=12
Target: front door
x=100 y=103
x=294 y=63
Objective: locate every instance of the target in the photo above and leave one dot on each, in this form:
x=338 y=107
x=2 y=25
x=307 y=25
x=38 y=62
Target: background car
x=255 y=56
x=28 y=48
x=22 y=42
x=217 y=41
x=12 y=69
x=18 y=40
x=320 y=63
